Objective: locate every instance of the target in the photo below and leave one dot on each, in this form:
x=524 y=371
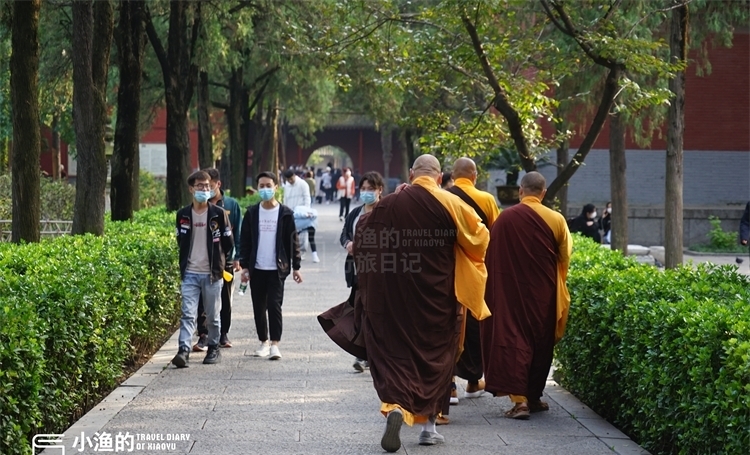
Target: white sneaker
x=315 y=256
x=275 y=353
x=341 y=218
x=264 y=350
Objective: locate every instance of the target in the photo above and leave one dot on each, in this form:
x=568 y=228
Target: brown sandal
x=519 y=412
x=538 y=406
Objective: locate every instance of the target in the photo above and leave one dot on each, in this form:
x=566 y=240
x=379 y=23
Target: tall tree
x=179 y=72
x=92 y=39
x=24 y=74
x=205 y=130
x=678 y=47
x=131 y=43
x=618 y=183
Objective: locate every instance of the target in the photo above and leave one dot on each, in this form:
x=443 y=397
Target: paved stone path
x=312 y=401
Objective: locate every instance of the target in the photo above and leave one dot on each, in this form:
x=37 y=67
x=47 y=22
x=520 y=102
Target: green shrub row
x=74 y=311
x=665 y=356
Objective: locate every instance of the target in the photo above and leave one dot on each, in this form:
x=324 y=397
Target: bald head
x=533 y=184
x=426 y=166
x=464 y=168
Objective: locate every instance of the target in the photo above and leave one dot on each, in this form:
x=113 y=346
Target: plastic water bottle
x=245 y=280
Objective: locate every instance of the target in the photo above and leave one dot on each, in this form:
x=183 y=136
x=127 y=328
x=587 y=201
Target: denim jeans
x=193 y=286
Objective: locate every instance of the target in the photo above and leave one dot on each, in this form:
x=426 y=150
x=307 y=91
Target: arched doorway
x=329 y=155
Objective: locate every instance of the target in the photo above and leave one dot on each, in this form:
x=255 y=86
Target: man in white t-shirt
x=297 y=194
x=269 y=251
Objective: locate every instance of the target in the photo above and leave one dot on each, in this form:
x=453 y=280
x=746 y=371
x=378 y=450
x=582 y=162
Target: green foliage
x=152 y=190
x=719 y=239
x=57 y=199
x=665 y=356
x=75 y=311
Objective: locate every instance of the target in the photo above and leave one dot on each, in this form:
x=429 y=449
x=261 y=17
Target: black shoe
x=224 y=341
x=213 y=355
x=201 y=344
x=182 y=357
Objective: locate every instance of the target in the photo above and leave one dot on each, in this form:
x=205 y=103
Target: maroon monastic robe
x=404 y=251
x=518 y=339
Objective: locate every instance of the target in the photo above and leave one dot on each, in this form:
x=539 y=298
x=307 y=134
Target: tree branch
x=220 y=105
x=161 y=54
x=570 y=30
x=501 y=99
x=611 y=87
x=218 y=84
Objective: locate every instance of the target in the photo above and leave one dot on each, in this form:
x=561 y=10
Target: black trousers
x=267 y=292
x=344 y=201
x=226 y=310
x=469 y=365
x=310 y=237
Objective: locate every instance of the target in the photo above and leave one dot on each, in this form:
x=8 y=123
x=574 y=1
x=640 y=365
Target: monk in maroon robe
x=412 y=251
x=527 y=264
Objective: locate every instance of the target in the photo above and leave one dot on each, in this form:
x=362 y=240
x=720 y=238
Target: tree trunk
x=205 y=131
x=386 y=144
x=56 y=147
x=24 y=79
x=92 y=38
x=179 y=73
x=234 y=121
x=678 y=48
x=562 y=161
x=618 y=184
x=273 y=127
x=131 y=44
x=239 y=160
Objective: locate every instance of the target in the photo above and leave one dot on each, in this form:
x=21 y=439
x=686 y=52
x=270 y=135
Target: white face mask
x=593 y=215
x=609 y=209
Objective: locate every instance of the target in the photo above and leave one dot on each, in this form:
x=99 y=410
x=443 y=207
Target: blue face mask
x=213 y=194
x=266 y=193
x=368 y=197
x=202 y=196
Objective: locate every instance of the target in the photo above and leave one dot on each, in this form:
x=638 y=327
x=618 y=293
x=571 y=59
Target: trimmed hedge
x=74 y=311
x=665 y=356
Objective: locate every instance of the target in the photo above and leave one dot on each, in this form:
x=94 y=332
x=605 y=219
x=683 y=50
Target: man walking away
x=420 y=260
x=469 y=366
x=204 y=237
x=527 y=265
x=269 y=252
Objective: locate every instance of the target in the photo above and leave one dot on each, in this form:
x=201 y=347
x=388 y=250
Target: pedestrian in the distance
x=269 y=252
x=586 y=223
x=345 y=187
x=204 y=237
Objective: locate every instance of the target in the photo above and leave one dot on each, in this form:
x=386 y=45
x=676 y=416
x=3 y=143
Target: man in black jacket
x=269 y=251
x=204 y=236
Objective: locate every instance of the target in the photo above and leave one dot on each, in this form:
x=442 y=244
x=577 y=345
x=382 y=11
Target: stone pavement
x=312 y=401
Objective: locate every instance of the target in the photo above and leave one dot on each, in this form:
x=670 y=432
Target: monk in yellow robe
x=527 y=265
x=412 y=251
